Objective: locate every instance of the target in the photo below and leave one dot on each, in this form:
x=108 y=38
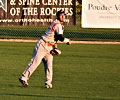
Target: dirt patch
x=80 y=42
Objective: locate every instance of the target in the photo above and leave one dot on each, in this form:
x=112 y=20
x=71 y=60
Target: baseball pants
x=41 y=52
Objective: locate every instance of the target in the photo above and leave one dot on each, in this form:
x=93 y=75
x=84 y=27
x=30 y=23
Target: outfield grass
x=82 y=72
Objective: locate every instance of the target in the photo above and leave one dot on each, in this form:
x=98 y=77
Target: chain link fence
x=75 y=32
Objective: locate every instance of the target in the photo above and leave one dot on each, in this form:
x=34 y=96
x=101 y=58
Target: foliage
x=80 y=1
x=78 y=8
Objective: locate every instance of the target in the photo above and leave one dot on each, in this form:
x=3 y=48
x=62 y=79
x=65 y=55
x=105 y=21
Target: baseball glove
x=55 y=52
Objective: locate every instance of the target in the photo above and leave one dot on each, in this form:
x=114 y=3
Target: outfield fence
x=75 y=32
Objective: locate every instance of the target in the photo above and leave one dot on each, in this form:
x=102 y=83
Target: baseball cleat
x=24 y=83
x=48 y=86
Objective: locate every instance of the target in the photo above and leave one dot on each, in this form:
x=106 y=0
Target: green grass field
x=82 y=72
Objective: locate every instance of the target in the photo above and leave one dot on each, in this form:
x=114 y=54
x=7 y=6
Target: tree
x=78 y=6
x=80 y=1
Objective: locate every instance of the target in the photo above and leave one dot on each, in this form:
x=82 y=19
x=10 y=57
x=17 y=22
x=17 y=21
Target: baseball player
x=44 y=50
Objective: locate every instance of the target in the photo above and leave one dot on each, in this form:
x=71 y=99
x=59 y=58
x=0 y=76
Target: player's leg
x=37 y=56
x=48 y=63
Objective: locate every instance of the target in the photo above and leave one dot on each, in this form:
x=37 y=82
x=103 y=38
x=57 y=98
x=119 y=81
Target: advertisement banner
x=35 y=12
x=101 y=13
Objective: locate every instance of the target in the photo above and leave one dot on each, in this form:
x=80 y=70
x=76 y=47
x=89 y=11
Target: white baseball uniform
x=42 y=52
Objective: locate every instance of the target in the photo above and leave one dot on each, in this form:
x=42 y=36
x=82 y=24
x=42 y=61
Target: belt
x=46 y=42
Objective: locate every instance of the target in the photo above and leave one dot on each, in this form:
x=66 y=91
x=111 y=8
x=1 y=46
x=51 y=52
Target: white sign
x=101 y=13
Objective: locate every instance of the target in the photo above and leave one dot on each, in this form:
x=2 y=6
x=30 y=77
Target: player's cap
x=60 y=12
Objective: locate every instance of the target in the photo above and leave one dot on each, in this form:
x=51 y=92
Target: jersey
x=54 y=29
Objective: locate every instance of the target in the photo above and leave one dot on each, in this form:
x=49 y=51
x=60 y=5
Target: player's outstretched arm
x=61 y=38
